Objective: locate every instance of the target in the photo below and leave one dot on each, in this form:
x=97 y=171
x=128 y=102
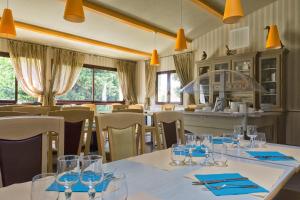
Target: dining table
x=151 y=177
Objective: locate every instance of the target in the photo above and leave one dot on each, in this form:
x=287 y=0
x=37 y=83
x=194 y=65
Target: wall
x=284 y=13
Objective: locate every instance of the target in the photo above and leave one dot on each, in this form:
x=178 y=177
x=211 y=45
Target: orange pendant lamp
x=154 y=57
x=74 y=11
x=273 y=39
x=7 y=25
x=233 y=11
x=180 y=39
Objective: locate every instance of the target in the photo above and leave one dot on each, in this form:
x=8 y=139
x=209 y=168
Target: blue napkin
x=274 y=155
x=229 y=190
x=197 y=152
x=79 y=187
x=222 y=140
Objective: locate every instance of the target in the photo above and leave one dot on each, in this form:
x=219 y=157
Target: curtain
x=29 y=62
x=65 y=70
x=150 y=78
x=184 y=65
x=126 y=72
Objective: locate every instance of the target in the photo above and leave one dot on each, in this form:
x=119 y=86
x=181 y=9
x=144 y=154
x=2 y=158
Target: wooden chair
x=128 y=110
x=136 y=106
x=168 y=107
x=75 y=128
x=9 y=107
x=12 y=113
x=167 y=122
x=33 y=110
x=92 y=106
x=75 y=108
x=24 y=144
x=119 y=107
x=121 y=128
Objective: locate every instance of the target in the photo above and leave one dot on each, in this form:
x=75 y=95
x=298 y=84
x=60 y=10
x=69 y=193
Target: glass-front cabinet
x=271 y=77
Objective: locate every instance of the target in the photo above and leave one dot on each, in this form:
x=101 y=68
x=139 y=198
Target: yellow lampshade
x=74 y=11
x=7 y=25
x=233 y=11
x=180 y=41
x=154 y=58
x=273 y=40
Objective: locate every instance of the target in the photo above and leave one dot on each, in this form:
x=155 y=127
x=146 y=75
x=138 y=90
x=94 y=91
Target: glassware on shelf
x=91 y=173
x=117 y=188
x=178 y=155
x=252 y=134
x=68 y=173
x=190 y=144
x=39 y=186
x=261 y=140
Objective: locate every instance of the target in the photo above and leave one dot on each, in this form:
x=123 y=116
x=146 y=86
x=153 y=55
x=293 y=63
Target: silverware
x=232 y=186
x=219 y=181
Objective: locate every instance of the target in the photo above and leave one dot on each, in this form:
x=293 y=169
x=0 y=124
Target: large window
x=10 y=92
x=168 y=88
x=95 y=84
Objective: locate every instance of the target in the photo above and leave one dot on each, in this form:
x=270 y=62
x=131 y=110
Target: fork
x=232 y=186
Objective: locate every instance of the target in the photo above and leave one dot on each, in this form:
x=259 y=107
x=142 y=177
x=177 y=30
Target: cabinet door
x=221 y=66
x=270 y=79
x=244 y=66
x=204 y=93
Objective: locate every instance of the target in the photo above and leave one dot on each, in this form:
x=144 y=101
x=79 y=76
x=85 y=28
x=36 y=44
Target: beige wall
x=284 y=13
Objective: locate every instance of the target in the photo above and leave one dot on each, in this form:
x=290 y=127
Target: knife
x=219 y=181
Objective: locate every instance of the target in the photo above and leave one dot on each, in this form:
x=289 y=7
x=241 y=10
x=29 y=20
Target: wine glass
x=252 y=134
x=40 y=184
x=219 y=154
x=228 y=140
x=91 y=173
x=190 y=145
x=68 y=172
x=261 y=139
x=207 y=146
x=238 y=135
x=117 y=187
x=178 y=154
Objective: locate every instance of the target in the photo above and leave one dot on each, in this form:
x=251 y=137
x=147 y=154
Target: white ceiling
x=163 y=13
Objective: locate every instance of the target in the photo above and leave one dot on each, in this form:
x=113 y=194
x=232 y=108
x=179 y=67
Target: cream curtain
x=184 y=65
x=29 y=61
x=65 y=70
x=150 y=79
x=126 y=72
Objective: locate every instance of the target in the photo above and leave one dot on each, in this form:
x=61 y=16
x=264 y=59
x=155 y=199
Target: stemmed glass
x=261 y=140
x=91 y=173
x=238 y=135
x=252 y=133
x=178 y=155
x=40 y=184
x=117 y=187
x=207 y=145
x=68 y=172
x=228 y=140
x=191 y=146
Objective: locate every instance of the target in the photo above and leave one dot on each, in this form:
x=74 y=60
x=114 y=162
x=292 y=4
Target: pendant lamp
x=180 y=39
x=7 y=24
x=154 y=57
x=273 y=39
x=74 y=11
x=233 y=11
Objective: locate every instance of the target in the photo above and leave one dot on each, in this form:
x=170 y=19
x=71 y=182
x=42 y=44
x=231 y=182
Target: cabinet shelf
x=266 y=69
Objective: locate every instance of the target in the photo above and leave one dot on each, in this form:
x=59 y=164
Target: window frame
x=168 y=88
x=78 y=102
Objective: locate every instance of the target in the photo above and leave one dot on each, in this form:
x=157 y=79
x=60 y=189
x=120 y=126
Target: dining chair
x=91 y=106
x=168 y=107
x=121 y=129
x=136 y=106
x=75 y=129
x=119 y=107
x=9 y=107
x=75 y=108
x=12 y=113
x=33 y=110
x=24 y=145
x=167 y=123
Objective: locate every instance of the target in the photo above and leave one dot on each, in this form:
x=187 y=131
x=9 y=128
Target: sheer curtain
x=150 y=78
x=29 y=61
x=65 y=70
x=184 y=65
x=126 y=72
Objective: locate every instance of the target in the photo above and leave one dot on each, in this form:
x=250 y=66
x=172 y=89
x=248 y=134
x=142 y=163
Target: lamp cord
x=6 y=3
x=181 y=13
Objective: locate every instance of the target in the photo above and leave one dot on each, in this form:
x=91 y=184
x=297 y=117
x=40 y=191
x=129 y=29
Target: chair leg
x=50 y=156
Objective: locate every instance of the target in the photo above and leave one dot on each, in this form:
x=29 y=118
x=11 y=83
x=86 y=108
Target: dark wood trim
x=100 y=67
x=168 y=88
x=4 y=54
x=62 y=102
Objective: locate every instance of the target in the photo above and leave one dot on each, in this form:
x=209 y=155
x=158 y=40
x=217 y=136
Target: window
x=10 y=91
x=95 y=84
x=168 y=88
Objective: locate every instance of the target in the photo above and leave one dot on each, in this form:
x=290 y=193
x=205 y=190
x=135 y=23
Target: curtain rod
x=174 y=54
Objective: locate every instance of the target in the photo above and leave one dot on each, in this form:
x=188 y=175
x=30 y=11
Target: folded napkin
x=79 y=187
x=197 y=152
x=234 y=187
x=270 y=155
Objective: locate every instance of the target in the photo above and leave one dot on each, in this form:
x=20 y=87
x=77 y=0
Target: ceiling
x=162 y=13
